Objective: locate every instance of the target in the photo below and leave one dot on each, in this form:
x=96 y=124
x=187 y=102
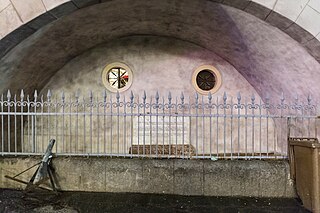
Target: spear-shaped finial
x=63 y=96
x=35 y=95
x=118 y=96
x=169 y=97
x=253 y=98
x=49 y=95
x=209 y=97
x=282 y=97
x=131 y=96
x=9 y=95
x=224 y=97
x=182 y=97
x=90 y=95
x=104 y=94
x=22 y=95
x=157 y=97
x=144 y=97
x=239 y=97
x=267 y=98
x=309 y=99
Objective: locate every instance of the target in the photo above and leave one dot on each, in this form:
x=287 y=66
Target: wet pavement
x=65 y=202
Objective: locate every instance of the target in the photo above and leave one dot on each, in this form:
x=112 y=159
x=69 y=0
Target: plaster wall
x=159 y=64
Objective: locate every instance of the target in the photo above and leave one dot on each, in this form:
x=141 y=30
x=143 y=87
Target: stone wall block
x=188 y=177
x=12 y=167
x=273 y=179
x=244 y=175
x=217 y=178
x=158 y=176
x=93 y=178
x=123 y=175
x=68 y=173
x=258 y=10
x=50 y=4
x=9 y=20
x=30 y=10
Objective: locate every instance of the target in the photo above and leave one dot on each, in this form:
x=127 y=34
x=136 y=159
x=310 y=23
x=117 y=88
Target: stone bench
x=163 y=150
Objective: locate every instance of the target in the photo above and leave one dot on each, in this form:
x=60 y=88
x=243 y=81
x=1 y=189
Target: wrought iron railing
x=156 y=127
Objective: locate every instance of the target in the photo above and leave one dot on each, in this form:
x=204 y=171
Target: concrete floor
x=44 y=201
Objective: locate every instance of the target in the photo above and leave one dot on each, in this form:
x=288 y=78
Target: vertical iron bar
x=21 y=121
x=138 y=100
x=260 y=131
x=157 y=122
x=163 y=119
x=210 y=125
x=267 y=109
x=224 y=124
x=2 y=125
x=150 y=130
x=118 y=123
x=90 y=120
x=15 y=124
x=131 y=123
x=197 y=114
x=190 y=128
x=217 y=123
x=84 y=125
x=77 y=124
x=239 y=108
x=183 y=107
x=246 y=128
x=144 y=124
x=42 y=123
x=169 y=105
x=252 y=127
x=104 y=120
x=63 y=122
x=111 y=124
x=56 y=120
x=281 y=120
x=8 y=110
x=70 y=124
x=176 y=114
x=203 y=126
x=124 y=126
x=231 y=130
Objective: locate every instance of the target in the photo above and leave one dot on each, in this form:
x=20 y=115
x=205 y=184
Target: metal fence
x=156 y=127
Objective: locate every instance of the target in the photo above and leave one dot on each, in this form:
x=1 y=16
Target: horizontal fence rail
x=155 y=127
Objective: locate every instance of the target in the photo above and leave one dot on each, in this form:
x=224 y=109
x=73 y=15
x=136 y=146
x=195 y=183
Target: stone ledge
x=165 y=176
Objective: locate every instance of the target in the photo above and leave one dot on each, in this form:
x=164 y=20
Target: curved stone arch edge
x=307 y=40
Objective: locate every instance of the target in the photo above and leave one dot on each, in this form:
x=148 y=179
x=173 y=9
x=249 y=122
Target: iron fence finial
x=8 y=95
x=225 y=97
x=22 y=95
x=282 y=98
x=239 y=97
x=309 y=99
x=118 y=96
x=144 y=97
x=131 y=96
x=182 y=98
x=104 y=95
x=63 y=96
x=157 y=97
x=35 y=95
x=209 y=97
x=49 y=95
